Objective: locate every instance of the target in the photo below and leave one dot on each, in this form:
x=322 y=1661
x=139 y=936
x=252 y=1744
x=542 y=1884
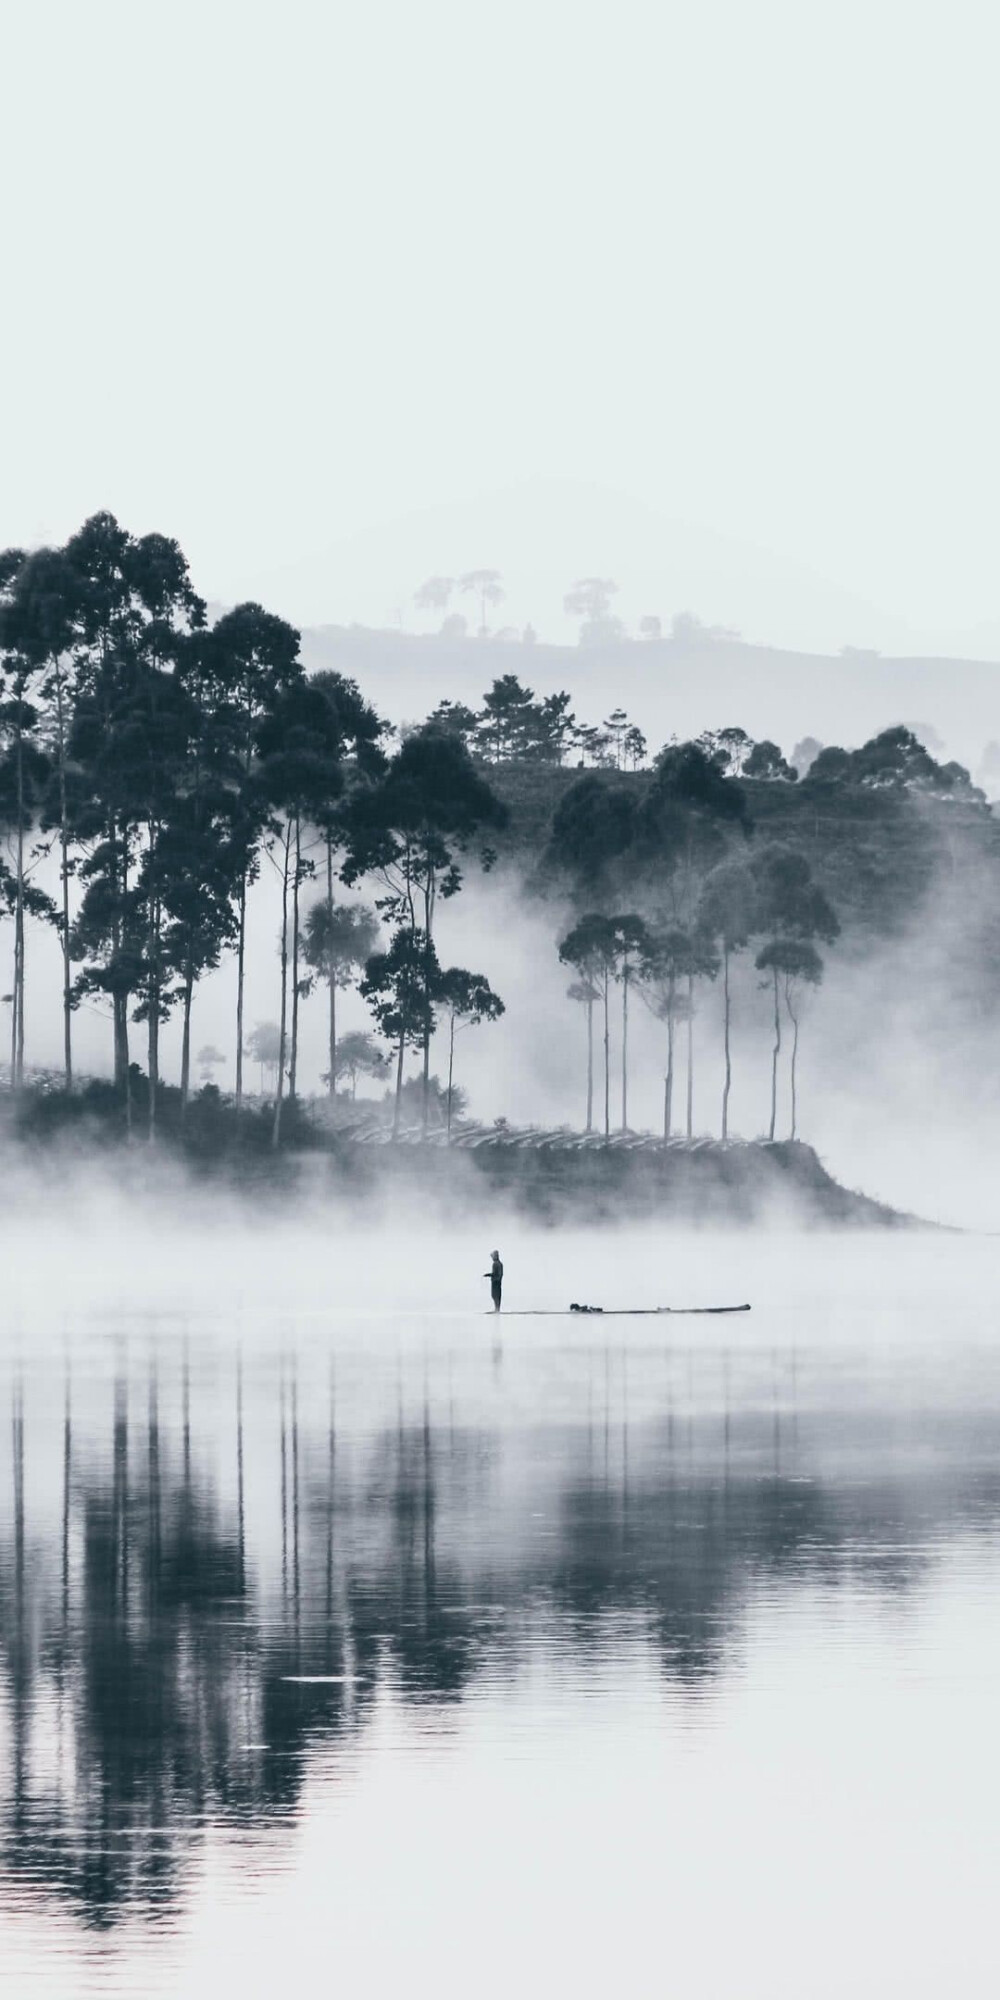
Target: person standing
x=495 y=1276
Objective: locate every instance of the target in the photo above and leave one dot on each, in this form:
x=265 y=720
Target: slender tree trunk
x=590 y=1065
x=726 y=1017
x=17 y=1066
x=333 y=971
x=793 y=1017
x=153 y=1022
x=282 y=1032
x=625 y=1048
x=13 y=1020
x=124 y=999
x=240 y=968
x=428 y=920
x=690 y=1057
x=607 y=1065
x=451 y=1068
x=294 y=1065
x=668 y=1081
x=64 y=872
x=397 y=1107
x=186 y=1038
x=774 y=1057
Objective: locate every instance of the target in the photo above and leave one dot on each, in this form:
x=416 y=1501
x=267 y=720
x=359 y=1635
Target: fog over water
x=347 y=1631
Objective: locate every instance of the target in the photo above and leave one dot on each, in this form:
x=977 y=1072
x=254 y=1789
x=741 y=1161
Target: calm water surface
x=379 y=1648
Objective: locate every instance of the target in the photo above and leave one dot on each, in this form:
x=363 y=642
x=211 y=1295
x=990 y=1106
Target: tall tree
x=354 y=733
x=408 y=829
x=466 y=997
x=400 y=986
x=299 y=777
x=586 y=994
x=672 y=961
x=631 y=947
x=728 y=914
x=793 y=909
x=592 y=948
x=41 y=608
x=796 y=963
x=663 y=968
x=203 y=845
x=257 y=660
x=337 y=940
x=23 y=777
x=133 y=610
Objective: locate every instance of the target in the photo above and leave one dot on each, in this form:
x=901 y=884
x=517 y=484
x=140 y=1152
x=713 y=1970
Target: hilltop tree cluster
x=514 y=726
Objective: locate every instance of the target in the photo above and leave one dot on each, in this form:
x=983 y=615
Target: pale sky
x=700 y=296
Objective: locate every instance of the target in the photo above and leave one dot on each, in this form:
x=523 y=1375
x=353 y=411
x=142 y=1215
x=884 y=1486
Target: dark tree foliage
x=593 y=828
x=401 y=986
x=895 y=760
x=767 y=761
x=408 y=828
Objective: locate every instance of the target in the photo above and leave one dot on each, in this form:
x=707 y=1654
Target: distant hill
x=679 y=687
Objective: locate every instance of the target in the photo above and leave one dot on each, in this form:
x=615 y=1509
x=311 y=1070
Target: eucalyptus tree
x=793 y=910
x=796 y=963
x=133 y=608
x=728 y=914
x=466 y=997
x=592 y=949
x=661 y=971
x=40 y=607
x=23 y=777
x=354 y=734
x=408 y=830
x=632 y=945
x=256 y=661
x=298 y=778
x=204 y=844
x=400 y=986
x=337 y=940
x=586 y=994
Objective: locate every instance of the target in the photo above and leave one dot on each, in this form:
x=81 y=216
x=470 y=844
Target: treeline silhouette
x=162 y=759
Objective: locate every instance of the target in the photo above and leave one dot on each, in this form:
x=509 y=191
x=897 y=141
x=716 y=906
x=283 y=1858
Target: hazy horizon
x=702 y=305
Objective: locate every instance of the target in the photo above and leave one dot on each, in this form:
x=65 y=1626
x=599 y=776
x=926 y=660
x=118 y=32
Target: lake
x=354 y=1639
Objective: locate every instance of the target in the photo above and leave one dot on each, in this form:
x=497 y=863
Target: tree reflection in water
x=160 y=1672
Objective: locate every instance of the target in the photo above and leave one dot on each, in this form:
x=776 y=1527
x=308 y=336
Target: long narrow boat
x=615 y=1312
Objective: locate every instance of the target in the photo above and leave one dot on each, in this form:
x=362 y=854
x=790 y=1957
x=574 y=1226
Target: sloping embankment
x=702 y=1183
